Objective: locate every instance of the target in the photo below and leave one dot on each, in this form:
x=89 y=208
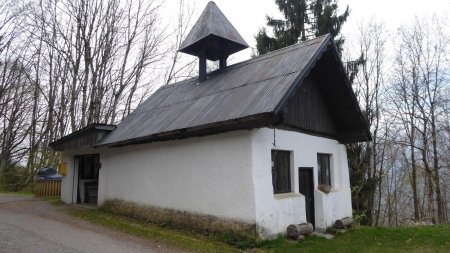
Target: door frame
x=310 y=174
x=76 y=181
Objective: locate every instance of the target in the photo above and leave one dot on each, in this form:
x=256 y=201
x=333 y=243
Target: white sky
x=248 y=16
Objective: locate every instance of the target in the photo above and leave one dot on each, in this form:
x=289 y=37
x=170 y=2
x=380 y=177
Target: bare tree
x=181 y=66
x=76 y=62
x=420 y=69
x=369 y=83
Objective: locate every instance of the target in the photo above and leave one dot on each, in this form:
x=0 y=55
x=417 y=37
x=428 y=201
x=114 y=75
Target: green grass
x=364 y=239
x=24 y=191
x=56 y=201
x=178 y=239
x=361 y=239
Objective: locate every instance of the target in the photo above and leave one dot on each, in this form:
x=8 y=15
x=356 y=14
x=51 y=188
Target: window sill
x=287 y=195
x=335 y=190
x=324 y=188
x=330 y=190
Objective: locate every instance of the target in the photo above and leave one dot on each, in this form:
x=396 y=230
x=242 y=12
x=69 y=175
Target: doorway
x=306 y=188
x=88 y=169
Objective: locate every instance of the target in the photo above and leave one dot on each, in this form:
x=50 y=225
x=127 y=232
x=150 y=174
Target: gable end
x=324 y=103
x=307 y=110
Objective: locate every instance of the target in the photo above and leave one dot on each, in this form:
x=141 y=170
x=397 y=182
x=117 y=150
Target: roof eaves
x=368 y=135
x=249 y=122
x=105 y=127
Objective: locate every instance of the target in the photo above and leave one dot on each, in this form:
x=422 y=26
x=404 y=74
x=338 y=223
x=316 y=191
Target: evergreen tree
x=303 y=19
x=326 y=20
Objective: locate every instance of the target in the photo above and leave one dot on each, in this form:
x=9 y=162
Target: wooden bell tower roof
x=213 y=36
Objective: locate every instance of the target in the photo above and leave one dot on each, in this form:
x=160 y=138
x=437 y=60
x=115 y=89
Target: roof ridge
x=277 y=52
x=258 y=58
x=237 y=65
x=291 y=46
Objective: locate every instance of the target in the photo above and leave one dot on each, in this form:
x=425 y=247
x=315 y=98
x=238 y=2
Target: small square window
x=324 y=170
x=281 y=171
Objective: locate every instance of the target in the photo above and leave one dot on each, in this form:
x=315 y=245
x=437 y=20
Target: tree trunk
x=295 y=230
x=439 y=201
x=343 y=223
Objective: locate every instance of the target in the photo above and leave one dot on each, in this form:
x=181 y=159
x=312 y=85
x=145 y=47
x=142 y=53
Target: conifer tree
x=326 y=20
x=303 y=19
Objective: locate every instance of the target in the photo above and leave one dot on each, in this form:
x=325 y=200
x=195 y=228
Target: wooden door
x=306 y=187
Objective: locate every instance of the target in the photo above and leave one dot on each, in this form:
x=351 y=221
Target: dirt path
x=30 y=225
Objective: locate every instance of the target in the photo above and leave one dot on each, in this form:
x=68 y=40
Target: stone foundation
x=205 y=224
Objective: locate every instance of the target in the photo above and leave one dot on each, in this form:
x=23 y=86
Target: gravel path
x=30 y=225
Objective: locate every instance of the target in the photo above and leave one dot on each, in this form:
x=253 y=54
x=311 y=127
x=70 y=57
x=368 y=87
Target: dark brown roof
x=213 y=36
x=86 y=137
x=245 y=95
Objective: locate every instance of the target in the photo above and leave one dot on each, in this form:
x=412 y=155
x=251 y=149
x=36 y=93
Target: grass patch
x=24 y=191
x=179 y=239
x=371 y=240
x=56 y=201
x=361 y=239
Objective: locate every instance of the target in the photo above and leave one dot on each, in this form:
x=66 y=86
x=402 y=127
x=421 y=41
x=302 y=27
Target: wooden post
x=223 y=62
x=202 y=69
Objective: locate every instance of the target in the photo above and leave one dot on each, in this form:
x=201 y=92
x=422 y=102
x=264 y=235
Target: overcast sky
x=247 y=16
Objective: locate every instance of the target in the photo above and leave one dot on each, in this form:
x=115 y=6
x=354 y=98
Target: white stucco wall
x=274 y=212
x=227 y=175
x=205 y=175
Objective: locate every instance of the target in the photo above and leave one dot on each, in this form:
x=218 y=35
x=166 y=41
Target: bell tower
x=212 y=38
